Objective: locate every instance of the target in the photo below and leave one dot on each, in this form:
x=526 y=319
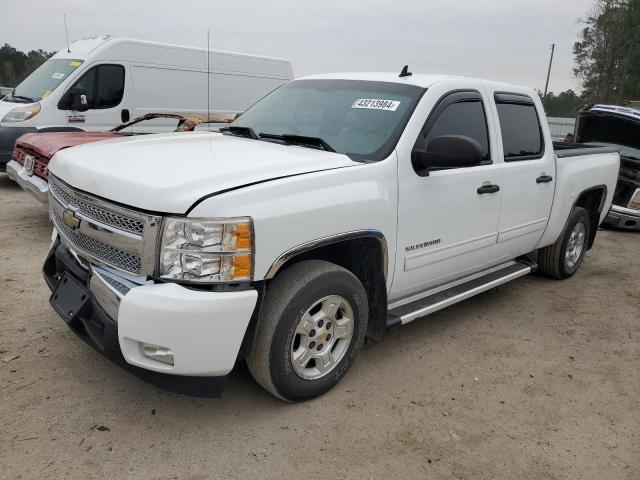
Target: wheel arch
x=592 y=200
x=364 y=253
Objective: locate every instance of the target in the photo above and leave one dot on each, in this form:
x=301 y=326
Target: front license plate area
x=69 y=298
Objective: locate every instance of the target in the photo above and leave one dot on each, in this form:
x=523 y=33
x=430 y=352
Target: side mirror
x=447 y=151
x=76 y=99
x=238 y=115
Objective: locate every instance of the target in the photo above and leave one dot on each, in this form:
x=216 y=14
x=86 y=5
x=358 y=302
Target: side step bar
x=446 y=296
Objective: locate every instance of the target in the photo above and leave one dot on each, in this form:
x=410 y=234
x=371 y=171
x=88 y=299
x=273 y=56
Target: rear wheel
x=563 y=258
x=311 y=327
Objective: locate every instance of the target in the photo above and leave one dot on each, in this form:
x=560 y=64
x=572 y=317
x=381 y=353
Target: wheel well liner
x=593 y=200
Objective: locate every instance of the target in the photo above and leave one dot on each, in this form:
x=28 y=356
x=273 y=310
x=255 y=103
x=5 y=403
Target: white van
x=101 y=82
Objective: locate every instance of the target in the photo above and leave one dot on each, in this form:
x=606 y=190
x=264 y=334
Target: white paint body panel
x=203 y=329
x=444 y=207
x=169 y=172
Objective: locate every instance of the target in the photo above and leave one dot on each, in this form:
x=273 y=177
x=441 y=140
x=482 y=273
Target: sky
x=505 y=40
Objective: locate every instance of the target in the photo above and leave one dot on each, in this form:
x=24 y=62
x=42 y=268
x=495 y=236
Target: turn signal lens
x=242 y=267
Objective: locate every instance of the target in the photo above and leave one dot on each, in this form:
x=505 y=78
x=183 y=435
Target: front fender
x=290 y=212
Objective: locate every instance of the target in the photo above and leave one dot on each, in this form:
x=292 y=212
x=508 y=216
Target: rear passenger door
x=528 y=174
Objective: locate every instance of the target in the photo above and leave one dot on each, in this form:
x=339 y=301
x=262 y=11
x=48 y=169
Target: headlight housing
x=207 y=250
x=21 y=114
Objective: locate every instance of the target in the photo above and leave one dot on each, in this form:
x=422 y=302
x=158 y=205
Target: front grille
x=102 y=215
x=120 y=288
x=40 y=162
x=100 y=251
x=18 y=155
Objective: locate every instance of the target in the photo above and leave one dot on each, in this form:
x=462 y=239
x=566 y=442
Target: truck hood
x=47 y=144
x=170 y=172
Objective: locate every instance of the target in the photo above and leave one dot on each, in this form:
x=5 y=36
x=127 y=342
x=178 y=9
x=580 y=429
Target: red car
x=30 y=159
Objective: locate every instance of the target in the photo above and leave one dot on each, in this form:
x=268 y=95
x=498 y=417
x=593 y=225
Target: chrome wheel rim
x=575 y=246
x=322 y=337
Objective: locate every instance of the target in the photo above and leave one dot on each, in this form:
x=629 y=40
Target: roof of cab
x=417 y=79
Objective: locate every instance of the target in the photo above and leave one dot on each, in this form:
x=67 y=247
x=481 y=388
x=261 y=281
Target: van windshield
x=362 y=119
x=44 y=80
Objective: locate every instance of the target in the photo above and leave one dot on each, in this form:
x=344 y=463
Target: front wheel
x=563 y=258
x=312 y=325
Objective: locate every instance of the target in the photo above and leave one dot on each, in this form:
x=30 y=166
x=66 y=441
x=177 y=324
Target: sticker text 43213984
x=376 y=104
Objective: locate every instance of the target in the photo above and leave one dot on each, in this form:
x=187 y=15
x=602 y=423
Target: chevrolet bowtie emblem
x=70 y=219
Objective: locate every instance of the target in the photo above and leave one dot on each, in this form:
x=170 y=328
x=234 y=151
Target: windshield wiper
x=21 y=97
x=301 y=140
x=246 y=132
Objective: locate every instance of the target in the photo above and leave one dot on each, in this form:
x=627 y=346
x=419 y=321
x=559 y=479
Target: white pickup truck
x=335 y=208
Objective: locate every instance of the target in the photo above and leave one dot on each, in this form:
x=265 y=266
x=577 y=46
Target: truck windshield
x=361 y=119
x=44 y=80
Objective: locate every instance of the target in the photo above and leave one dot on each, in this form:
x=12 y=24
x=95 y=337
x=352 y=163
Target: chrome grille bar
x=101 y=214
x=96 y=249
x=104 y=233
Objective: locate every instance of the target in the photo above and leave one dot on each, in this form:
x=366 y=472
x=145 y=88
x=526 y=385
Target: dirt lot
x=538 y=379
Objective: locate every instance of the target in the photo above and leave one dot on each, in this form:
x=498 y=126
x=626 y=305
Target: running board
x=445 y=297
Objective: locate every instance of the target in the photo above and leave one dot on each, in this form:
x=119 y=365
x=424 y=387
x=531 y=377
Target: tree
x=565 y=104
x=15 y=65
x=607 y=54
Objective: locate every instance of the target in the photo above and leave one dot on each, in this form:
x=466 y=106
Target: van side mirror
x=447 y=151
x=75 y=99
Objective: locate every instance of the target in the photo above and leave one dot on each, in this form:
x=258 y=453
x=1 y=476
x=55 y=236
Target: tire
x=557 y=260
x=282 y=334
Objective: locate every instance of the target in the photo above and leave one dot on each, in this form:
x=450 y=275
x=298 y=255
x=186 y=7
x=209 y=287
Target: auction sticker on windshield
x=376 y=104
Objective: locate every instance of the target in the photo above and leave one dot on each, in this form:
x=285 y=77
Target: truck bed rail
x=562 y=149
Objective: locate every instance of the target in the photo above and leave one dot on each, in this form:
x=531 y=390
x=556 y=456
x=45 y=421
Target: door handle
x=488 y=189
x=124 y=115
x=544 y=179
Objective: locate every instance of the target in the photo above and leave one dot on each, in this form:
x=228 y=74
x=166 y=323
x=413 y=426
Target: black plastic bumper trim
x=100 y=331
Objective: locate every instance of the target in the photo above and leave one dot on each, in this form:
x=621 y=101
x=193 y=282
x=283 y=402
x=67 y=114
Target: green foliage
x=15 y=65
x=607 y=54
x=565 y=104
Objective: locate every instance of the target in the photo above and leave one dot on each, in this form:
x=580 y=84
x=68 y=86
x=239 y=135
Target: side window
x=521 y=133
x=103 y=86
x=464 y=117
x=87 y=84
x=110 y=86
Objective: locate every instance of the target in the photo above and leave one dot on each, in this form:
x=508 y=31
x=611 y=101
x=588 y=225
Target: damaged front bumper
x=203 y=330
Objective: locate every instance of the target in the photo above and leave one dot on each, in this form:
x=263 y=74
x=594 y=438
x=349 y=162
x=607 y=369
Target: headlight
x=20 y=114
x=202 y=250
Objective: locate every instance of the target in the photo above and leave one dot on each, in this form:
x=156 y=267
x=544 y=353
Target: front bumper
x=8 y=137
x=622 y=217
x=203 y=329
x=36 y=186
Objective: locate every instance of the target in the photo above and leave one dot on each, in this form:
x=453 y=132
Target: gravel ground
x=538 y=379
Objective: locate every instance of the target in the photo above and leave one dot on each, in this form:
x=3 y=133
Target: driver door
x=100 y=91
x=448 y=218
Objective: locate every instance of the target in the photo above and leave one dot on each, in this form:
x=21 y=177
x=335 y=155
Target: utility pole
x=546 y=85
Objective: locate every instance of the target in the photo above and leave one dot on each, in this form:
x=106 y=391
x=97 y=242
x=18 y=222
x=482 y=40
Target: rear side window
x=520 y=126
